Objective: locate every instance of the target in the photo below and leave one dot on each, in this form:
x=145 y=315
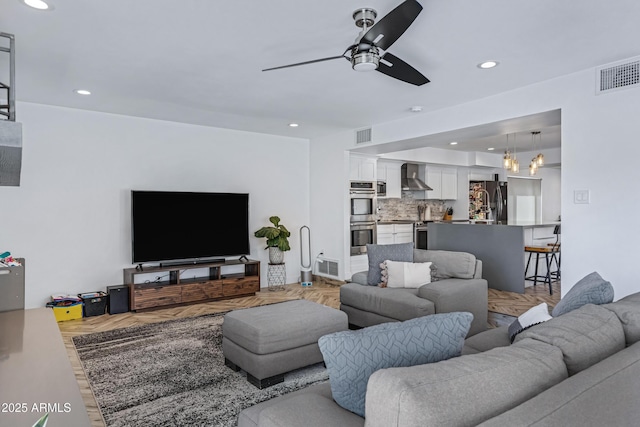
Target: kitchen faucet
x=487 y=209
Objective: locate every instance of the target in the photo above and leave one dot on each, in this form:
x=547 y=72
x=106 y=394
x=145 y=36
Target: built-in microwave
x=381 y=188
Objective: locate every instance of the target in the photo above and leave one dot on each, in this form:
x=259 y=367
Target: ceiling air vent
x=619 y=75
x=363 y=135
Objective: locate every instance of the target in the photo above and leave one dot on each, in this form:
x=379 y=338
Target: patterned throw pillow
x=352 y=356
x=591 y=289
x=377 y=254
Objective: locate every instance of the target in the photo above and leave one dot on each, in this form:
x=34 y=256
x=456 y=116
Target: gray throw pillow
x=352 y=356
x=378 y=253
x=591 y=289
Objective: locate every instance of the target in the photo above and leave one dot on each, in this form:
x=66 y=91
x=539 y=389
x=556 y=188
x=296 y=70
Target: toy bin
x=67 y=312
x=95 y=303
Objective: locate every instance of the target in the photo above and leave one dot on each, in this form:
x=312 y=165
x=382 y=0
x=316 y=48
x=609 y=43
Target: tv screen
x=169 y=225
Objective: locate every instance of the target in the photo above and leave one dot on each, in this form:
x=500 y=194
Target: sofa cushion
x=399 y=304
x=533 y=316
x=604 y=395
x=487 y=340
x=463 y=391
x=591 y=289
x=585 y=335
x=379 y=253
x=396 y=274
x=448 y=264
x=352 y=356
x=628 y=311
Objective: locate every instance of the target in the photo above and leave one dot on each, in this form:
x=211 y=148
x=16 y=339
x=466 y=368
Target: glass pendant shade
x=515 y=166
x=533 y=167
x=506 y=160
x=540 y=159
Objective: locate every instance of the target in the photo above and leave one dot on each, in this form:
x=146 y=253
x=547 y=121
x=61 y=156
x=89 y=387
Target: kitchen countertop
x=398 y=221
x=485 y=222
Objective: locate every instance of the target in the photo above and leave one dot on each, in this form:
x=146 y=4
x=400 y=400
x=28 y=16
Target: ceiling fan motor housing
x=367 y=60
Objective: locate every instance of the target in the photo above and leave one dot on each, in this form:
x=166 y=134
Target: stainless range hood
x=10 y=131
x=409 y=178
x=10 y=153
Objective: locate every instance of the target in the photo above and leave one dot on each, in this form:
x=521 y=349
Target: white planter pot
x=276 y=256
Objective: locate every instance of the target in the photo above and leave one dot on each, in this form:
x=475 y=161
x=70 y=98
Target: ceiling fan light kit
x=364 y=54
x=365 y=61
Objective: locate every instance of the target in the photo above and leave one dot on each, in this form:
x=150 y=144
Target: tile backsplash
x=406 y=208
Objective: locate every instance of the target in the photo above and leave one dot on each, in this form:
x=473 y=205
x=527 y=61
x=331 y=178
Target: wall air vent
x=328 y=268
x=619 y=75
x=363 y=135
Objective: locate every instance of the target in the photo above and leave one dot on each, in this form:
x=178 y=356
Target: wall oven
x=362 y=233
x=362 y=201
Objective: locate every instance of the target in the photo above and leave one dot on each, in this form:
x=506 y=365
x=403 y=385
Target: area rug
x=173 y=374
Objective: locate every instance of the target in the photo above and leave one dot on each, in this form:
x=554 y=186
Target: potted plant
x=277 y=239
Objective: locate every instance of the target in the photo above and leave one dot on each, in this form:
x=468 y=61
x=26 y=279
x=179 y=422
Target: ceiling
x=200 y=62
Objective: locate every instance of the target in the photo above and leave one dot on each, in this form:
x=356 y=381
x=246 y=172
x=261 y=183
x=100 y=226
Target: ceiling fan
x=364 y=54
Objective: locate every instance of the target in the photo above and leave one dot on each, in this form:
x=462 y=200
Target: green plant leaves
x=276 y=235
x=42 y=422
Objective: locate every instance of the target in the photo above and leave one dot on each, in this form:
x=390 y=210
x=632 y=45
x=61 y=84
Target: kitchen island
x=499 y=247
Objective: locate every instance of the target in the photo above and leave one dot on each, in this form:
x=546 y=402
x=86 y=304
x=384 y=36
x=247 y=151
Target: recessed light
x=416 y=109
x=293 y=125
x=453 y=143
x=37 y=4
x=82 y=92
x=490 y=149
x=488 y=64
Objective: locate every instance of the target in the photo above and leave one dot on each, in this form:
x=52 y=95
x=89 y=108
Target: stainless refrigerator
x=497 y=195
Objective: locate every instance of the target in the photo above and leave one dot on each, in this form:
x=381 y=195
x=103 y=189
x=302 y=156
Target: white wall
x=70 y=218
x=599 y=152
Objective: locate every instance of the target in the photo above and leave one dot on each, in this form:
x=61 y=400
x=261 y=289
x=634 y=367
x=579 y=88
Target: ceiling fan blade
x=398 y=69
x=306 y=62
x=393 y=25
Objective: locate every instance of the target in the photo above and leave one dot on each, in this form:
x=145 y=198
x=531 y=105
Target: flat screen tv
x=177 y=226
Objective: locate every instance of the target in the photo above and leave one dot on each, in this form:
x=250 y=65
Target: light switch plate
x=581 y=197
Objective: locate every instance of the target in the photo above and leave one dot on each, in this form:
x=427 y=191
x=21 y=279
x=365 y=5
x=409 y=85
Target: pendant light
x=533 y=166
x=506 y=160
x=515 y=165
x=540 y=156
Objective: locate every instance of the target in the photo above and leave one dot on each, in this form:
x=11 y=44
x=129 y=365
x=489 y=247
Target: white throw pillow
x=408 y=274
x=533 y=316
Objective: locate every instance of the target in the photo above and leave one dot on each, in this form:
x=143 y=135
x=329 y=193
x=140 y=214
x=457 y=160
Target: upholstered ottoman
x=270 y=340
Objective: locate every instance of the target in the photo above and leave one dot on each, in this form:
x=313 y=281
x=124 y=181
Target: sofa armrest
x=451 y=295
x=478 y=273
x=360 y=278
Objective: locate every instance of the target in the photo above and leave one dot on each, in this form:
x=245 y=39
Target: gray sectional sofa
x=458 y=286
x=581 y=368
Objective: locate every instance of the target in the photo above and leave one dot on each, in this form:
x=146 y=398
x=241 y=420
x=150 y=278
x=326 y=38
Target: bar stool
x=551 y=254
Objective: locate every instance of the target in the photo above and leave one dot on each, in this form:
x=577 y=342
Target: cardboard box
x=68 y=312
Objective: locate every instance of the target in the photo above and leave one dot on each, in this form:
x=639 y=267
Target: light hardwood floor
x=507 y=303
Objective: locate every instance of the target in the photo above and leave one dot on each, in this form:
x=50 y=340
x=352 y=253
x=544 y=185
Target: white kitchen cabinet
x=389 y=172
x=444 y=182
x=394 y=233
x=362 y=168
